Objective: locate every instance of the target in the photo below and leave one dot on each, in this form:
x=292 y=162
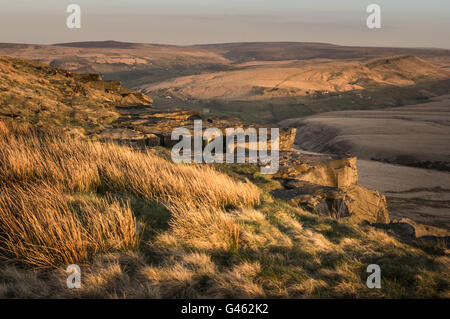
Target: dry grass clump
x=27 y=156
x=195 y=275
x=204 y=228
x=43 y=227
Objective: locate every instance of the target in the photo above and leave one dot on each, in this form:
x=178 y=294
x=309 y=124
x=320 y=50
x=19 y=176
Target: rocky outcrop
x=366 y=204
x=90 y=77
x=327 y=185
x=425 y=236
x=323 y=200
x=287 y=138
x=96 y=81
x=107 y=86
x=143 y=120
x=321 y=170
x=406 y=227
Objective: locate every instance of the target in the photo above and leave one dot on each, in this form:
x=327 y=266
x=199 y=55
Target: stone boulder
x=287 y=138
x=366 y=204
x=327 y=185
x=318 y=169
x=425 y=236
x=406 y=227
x=323 y=200
x=354 y=202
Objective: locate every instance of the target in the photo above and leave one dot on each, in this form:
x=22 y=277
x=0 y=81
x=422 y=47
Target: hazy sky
x=413 y=23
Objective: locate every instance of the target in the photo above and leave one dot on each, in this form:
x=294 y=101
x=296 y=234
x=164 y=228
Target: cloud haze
x=405 y=23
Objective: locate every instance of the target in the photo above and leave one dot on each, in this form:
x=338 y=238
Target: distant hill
x=271 y=80
x=283 y=89
x=110 y=57
x=278 y=51
x=258 y=82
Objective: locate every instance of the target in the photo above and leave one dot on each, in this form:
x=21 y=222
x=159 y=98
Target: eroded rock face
x=95 y=81
x=321 y=170
x=287 y=138
x=328 y=186
x=323 y=200
x=366 y=204
x=426 y=236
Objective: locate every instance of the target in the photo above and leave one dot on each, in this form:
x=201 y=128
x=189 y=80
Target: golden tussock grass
x=43 y=223
x=203 y=227
x=26 y=156
x=44 y=227
x=65 y=201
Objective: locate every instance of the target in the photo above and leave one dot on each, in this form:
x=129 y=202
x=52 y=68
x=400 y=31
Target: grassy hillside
x=34 y=92
x=140 y=226
x=296 y=79
x=129 y=62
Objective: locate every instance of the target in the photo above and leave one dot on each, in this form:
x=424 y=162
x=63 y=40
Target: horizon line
x=224 y=43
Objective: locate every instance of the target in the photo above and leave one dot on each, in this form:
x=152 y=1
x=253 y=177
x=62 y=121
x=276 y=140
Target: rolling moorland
x=273 y=83
x=257 y=82
x=141 y=226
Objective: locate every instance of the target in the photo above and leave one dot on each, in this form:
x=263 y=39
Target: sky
x=405 y=23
